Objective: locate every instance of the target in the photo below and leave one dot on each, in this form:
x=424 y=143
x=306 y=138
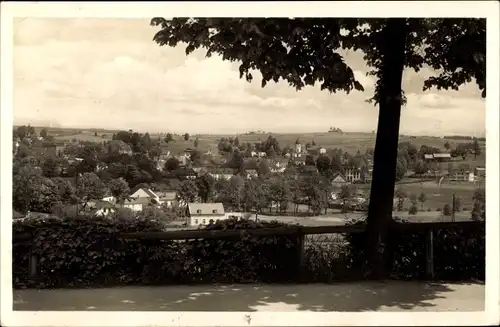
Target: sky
x=108 y=73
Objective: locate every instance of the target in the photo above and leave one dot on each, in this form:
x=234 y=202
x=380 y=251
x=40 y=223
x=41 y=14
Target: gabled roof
x=150 y=193
x=206 y=209
x=339 y=178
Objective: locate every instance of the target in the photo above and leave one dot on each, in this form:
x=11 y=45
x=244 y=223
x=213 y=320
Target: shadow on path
x=384 y=296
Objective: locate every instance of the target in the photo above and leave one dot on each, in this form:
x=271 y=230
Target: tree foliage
x=305 y=51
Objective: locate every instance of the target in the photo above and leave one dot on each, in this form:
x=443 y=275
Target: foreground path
x=386 y=296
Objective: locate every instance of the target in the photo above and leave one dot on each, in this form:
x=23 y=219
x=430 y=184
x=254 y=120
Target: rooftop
x=204 y=209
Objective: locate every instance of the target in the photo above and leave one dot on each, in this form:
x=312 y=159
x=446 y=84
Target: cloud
x=109 y=73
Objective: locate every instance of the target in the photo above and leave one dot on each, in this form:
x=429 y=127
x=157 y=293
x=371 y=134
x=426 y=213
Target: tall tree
x=188 y=191
x=43 y=133
x=90 y=187
x=476 y=148
x=186 y=137
x=304 y=51
x=119 y=189
x=323 y=165
x=169 y=138
x=205 y=184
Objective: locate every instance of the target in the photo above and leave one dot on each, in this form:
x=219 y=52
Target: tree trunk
x=392 y=47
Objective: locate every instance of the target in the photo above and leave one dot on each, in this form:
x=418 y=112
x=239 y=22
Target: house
x=442 y=157
x=299 y=161
x=438 y=157
x=222 y=173
x=261 y=154
x=200 y=170
x=120 y=147
x=352 y=174
x=200 y=214
x=322 y=150
x=187 y=173
x=145 y=193
x=109 y=198
x=137 y=204
x=462 y=176
x=277 y=166
x=183 y=159
x=298 y=148
x=338 y=180
x=102 y=209
x=251 y=173
x=480 y=172
x=167 y=198
x=100 y=167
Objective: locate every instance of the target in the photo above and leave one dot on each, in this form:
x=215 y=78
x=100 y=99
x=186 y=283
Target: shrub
x=413 y=210
x=87 y=252
x=429 y=209
x=438 y=209
x=459 y=253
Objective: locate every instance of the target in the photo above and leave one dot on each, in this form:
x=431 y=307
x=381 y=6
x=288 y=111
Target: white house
x=137 y=204
x=298 y=148
x=167 y=198
x=352 y=174
x=339 y=180
x=222 y=173
x=200 y=214
x=111 y=199
x=322 y=151
x=145 y=193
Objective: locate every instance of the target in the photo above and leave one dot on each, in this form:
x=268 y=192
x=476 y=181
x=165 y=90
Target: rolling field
x=350 y=142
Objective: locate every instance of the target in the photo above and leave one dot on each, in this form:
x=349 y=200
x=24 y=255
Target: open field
x=341 y=218
x=438 y=196
x=351 y=142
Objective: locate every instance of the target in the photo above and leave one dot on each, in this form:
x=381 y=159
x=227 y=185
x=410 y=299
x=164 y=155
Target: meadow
x=350 y=142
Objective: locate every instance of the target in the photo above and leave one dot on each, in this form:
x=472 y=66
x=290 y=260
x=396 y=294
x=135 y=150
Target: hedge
x=88 y=253
x=459 y=253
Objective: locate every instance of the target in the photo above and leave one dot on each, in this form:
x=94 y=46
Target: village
x=297 y=181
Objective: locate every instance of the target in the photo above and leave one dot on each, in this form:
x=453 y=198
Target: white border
x=489 y=9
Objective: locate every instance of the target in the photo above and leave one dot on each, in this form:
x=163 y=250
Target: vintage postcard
x=249 y=164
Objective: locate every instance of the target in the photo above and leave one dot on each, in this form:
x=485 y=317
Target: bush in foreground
x=459 y=253
x=89 y=253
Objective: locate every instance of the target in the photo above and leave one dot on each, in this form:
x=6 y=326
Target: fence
x=323 y=253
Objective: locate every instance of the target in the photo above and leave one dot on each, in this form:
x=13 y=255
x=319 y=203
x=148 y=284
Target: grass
x=438 y=196
x=350 y=142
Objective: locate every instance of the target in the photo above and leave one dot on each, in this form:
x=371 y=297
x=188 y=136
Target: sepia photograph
x=260 y=163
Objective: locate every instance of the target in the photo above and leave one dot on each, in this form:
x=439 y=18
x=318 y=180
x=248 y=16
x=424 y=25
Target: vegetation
x=389 y=45
x=88 y=253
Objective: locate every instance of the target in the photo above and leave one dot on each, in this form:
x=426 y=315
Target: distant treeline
x=462 y=137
